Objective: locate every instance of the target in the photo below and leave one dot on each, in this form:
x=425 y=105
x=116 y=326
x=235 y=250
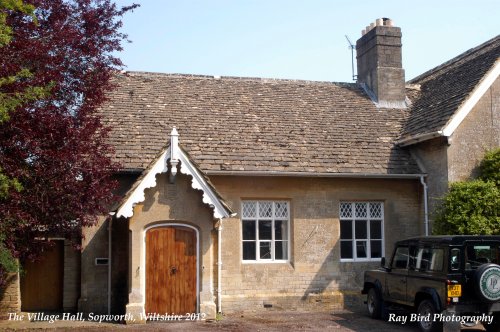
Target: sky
x=292 y=39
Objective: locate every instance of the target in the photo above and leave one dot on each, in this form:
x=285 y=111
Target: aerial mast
x=352 y=47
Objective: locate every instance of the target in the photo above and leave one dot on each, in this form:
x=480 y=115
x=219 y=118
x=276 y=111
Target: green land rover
x=443 y=279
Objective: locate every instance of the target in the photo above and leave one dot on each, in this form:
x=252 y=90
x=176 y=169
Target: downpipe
x=219 y=266
x=110 y=224
x=426 y=208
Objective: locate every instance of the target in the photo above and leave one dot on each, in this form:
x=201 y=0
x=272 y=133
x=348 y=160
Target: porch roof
x=163 y=163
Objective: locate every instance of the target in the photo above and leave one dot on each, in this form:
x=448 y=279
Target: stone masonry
x=165 y=204
x=380 y=67
x=10 y=296
x=314 y=275
x=458 y=158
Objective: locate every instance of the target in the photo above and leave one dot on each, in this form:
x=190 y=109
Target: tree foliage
x=52 y=142
x=9 y=102
x=7 y=6
x=473 y=207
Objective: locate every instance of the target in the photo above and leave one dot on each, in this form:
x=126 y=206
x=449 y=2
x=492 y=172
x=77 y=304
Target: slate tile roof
x=244 y=124
x=444 y=88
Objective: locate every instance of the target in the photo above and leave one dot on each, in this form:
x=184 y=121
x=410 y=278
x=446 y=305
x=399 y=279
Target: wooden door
x=42 y=281
x=171 y=270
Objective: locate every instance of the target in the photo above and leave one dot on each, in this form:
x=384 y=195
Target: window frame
x=426 y=258
x=408 y=255
x=368 y=238
x=273 y=241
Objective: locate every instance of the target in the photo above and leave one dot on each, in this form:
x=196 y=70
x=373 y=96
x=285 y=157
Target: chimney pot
x=379 y=22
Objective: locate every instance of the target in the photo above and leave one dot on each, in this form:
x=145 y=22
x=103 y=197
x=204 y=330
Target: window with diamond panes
x=361 y=230
x=265 y=230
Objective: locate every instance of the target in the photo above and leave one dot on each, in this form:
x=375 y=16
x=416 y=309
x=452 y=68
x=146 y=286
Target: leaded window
x=361 y=230
x=265 y=230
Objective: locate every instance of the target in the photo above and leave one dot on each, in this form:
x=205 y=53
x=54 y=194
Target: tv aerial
x=352 y=47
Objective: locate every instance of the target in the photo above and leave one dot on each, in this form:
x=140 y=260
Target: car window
x=430 y=259
x=455 y=258
x=400 y=260
x=477 y=254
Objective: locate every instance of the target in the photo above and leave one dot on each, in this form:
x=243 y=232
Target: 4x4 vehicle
x=439 y=276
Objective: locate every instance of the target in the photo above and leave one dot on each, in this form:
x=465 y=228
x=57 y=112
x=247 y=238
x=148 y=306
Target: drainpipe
x=426 y=210
x=219 y=266
x=110 y=223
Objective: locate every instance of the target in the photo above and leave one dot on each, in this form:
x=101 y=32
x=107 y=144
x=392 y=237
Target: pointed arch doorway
x=171 y=269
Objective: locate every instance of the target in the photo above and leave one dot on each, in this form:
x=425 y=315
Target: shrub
x=490 y=167
x=470 y=208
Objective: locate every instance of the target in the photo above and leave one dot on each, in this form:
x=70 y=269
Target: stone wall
x=478 y=133
x=94 y=278
x=458 y=158
x=10 y=296
x=314 y=277
x=432 y=154
x=71 y=282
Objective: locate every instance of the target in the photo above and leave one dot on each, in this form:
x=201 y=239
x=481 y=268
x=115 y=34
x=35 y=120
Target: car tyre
x=374 y=303
x=427 y=309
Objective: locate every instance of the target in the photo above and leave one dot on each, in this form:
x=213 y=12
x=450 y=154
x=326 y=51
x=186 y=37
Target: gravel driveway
x=342 y=320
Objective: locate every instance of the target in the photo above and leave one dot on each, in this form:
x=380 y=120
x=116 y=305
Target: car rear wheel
x=374 y=303
x=426 y=311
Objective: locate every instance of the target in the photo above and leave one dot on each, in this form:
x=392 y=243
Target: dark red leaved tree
x=55 y=147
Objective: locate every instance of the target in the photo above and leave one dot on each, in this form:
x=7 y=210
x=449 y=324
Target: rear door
x=42 y=281
x=477 y=253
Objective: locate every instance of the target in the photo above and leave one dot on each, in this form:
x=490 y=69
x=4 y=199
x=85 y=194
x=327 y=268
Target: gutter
x=127 y=171
x=316 y=175
x=419 y=138
x=303 y=174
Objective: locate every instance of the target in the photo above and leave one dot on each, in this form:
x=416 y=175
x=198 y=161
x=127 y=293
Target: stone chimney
x=380 y=69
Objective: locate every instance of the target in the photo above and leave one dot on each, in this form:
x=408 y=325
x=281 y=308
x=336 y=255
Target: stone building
x=253 y=194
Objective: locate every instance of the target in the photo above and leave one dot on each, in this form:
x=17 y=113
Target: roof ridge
x=461 y=57
x=239 y=78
